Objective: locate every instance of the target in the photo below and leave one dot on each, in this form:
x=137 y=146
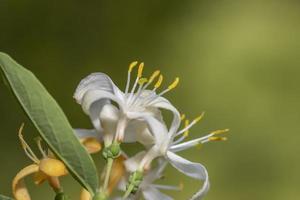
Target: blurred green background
x=237 y=60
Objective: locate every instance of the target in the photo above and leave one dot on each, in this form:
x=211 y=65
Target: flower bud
x=52 y=167
x=113 y=151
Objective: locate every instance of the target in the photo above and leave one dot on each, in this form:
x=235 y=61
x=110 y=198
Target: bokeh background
x=238 y=61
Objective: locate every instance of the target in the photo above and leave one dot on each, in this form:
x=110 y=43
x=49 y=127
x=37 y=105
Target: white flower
x=96 y=92
x=167 y=143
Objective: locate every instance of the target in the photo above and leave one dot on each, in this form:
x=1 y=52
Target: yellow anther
x=196 y=120
x=174 y=84
x=186 y=123
x=159 y=81
x=217 y=138
x=142 y=81
x=140 y=70
x=182 y=117
x=154 y=75
x=217 y=132
x=132 y=65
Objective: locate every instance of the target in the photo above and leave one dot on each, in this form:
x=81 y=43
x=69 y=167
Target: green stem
x=108 y=171
x=128 y=191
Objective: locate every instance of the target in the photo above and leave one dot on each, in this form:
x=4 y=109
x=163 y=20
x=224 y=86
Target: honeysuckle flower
x=168 y=143
x=96 y=92
x=47 y=168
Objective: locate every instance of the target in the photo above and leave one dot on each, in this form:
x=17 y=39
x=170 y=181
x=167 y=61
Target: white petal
x=137 y=130
x=191 y=169
x=194 y=170
x=87 y=133
x=93 y=92
x=156 y=127
x=151 y=193
x=133 y=163
x=202 y=192
x=95 y=81
x=93 y=102
x=109 y=117
x=161 y=102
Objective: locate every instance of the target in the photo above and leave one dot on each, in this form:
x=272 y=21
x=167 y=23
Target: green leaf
x=2 y=197
x=50 y=121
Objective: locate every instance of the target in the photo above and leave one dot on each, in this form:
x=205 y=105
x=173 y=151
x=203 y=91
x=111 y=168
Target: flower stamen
x=26 y=147
x=212 y=137
x=170 y=87
x=186 y=124
x=39 y=144
x=196 y=120
x=159 y=82
x=140 y=70
x=139 y=75
x=131 y=66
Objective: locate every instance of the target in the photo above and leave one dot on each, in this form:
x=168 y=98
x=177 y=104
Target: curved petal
x=95 y=81
x=109 y=118
x=20 y=191
x=151 y=193
x=202 y=192
x=156 y=127
x=191 y=169
x=137 y=130
x=161 y=102
x=92 y=103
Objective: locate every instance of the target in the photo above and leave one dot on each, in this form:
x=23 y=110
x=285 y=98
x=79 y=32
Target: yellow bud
x=92 y=145
x=132 y=65
x=84 y=194
x=140 y=70
x=154 y=75
x=52 y=167
x=159 y=81
x=174 y=84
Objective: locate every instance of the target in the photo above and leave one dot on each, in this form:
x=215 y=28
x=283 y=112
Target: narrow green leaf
x=50 y=121
x=2 y=197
